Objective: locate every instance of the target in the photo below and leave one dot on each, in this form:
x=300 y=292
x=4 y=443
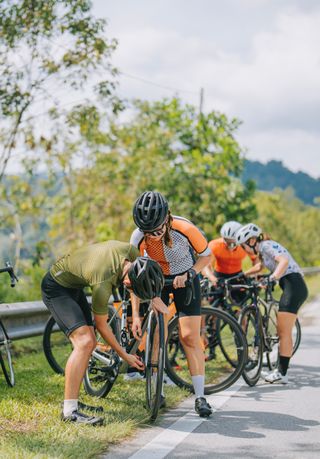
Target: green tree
x=53 y=53
x=194 y=161
x=294 y=224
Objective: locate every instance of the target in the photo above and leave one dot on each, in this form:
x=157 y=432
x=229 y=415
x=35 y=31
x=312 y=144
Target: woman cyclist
x=172 y=241
x=101 y=266
x=227 y=257
x=284 y=268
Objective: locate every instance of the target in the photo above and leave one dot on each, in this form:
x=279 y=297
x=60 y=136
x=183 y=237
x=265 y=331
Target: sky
x=257 y=60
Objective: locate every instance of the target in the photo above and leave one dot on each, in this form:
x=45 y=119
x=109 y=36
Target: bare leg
x=285 y=324
x=83 y=341
x=189 y=330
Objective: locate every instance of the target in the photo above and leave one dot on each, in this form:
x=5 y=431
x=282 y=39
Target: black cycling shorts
x=294 y=292
x=179 y=296
x=69 y=306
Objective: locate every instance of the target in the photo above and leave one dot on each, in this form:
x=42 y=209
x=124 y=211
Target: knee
x=190 y=341
x=85 y=343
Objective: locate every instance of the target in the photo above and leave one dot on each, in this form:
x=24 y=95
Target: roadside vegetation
x=86 y=155
x=30 y=423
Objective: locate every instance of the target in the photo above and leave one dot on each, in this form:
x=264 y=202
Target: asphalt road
x=266 y=421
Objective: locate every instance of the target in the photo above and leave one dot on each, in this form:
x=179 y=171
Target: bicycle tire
x=228 y=308
x=154 y=360
x=220 y=374
x=56 y=346
x=101 y=376
x=297 y=335
x=296 y=332
x=5 y=357
x=272 y=338
x=251 y=324
x=273 y=356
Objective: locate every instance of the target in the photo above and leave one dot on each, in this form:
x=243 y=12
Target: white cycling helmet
x=246 y=232
x=230 y=229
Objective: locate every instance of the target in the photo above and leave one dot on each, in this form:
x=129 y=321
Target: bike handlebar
x=188 y=285
x=9 y=269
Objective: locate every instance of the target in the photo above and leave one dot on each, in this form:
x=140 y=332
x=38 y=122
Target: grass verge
x=30 y=425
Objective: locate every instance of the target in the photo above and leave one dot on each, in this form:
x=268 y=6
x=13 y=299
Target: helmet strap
x=253 y=247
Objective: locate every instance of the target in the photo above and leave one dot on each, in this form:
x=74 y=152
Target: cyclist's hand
x=134 y=361
x=214 y=280
x=180 y=281
x=263 y=283
x=158 y=305
x=136 y=328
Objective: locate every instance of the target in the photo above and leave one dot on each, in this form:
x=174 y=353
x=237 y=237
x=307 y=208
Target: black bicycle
x=258 y=320
x=5 y=354
x=227 y=297
x=220 y=335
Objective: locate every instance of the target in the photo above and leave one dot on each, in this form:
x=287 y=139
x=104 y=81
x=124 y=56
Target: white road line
x=172 y=436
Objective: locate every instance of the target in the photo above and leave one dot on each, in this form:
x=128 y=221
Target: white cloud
x=299 y=150
x=264 y=69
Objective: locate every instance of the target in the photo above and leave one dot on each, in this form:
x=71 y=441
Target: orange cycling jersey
x=186 y=239
x=227 y=261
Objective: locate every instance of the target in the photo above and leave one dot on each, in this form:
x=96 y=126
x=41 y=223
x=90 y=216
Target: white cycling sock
x=198 y=385
x=69 y=406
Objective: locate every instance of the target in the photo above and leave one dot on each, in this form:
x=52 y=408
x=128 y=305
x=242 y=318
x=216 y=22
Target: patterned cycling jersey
x=269 y=250
x=227 y=261
x=186 y=239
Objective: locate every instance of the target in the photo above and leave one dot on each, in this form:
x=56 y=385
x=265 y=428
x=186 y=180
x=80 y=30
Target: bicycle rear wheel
x=104 y=364
x=154 y=362
x=251 y=324
x=296 y=336
x=5 y=356
x=221 y=331
x=273 y=339
x=56 y=346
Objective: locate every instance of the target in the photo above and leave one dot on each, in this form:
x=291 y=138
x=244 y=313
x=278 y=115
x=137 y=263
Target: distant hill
x=275 y=175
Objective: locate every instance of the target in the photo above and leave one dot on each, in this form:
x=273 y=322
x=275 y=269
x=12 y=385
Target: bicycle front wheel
x=154 y=362
x=221 y=332
x=5 y=356
x=251 y=324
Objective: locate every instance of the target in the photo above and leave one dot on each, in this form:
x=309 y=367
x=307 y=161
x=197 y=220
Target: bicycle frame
x=262 y=306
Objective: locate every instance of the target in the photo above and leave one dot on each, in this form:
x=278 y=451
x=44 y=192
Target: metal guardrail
x=24 y=320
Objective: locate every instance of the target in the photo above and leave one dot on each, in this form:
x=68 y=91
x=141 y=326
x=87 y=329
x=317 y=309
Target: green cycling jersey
x=99 y=266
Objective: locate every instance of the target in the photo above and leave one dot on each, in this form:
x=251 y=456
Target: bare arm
x=256 y=268
x=207 y=272
x=281 y=268
x=107 y=334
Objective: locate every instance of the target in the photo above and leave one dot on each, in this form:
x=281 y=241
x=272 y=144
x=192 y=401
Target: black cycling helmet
x=146 y=278
x=150 y=210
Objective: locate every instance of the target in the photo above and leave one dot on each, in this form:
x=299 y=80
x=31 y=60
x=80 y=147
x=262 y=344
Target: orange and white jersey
x=186 y=238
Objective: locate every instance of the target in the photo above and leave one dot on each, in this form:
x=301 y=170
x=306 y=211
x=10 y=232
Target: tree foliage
x=292 y=223
x=195 y=161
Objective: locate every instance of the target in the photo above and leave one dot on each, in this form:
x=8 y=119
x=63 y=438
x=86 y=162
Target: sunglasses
x=158 y=231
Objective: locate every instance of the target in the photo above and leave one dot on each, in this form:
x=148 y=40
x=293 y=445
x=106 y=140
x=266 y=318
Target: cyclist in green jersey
x=102 y=267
